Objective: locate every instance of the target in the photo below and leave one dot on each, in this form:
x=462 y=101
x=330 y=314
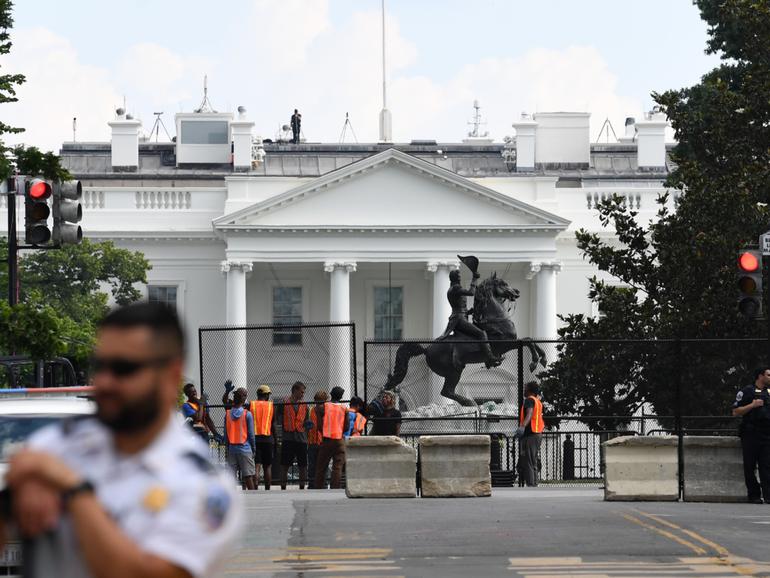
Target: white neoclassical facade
x=331 y=232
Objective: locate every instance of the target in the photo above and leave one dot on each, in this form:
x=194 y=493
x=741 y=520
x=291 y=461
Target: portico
x=386 y=229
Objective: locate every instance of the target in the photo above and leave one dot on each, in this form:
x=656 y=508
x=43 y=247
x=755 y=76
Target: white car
x=22 y=412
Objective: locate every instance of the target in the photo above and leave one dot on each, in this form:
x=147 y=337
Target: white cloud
x=153 y=74
x=342 y=74
x=280 y=32
x=59 y=87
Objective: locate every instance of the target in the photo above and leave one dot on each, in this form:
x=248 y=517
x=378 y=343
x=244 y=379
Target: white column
x=340 y=354
x=544 y=274
x=236 y=351
x=441 y=312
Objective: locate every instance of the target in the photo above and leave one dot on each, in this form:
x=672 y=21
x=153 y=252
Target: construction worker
x=314 y=437
x=332 y=419
x=294 y=439
x=239 y=429
x=196 y=411
x=356 y=417
x=262 y=410
x=530 y=433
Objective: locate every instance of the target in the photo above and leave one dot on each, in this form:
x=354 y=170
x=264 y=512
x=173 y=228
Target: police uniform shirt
x=758 y=419
x=168 y=499
x=746 y=395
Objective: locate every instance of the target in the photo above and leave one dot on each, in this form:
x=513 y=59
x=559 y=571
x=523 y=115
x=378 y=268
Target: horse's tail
x=406 y=352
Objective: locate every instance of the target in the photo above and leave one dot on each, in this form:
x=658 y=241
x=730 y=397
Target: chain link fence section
x=320 y=355
x=592 y=390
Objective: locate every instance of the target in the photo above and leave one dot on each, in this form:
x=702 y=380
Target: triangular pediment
x=391 y=189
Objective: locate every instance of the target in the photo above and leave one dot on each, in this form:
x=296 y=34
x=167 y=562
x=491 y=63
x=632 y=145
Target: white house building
x=328 y=232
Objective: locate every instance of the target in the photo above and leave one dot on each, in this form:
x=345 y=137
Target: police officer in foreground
x=752 y=403
x=129 y=492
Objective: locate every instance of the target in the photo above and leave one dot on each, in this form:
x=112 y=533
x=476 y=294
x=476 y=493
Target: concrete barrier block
x=455 y=466
x=641 y=468
x=713 y=469
x=380 y=467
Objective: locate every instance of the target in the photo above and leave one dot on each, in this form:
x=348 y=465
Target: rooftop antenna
x=345 y=127
x=607 y=128
x=156 y=127
x=386 y=132
x=206 y=105
x=477 y=123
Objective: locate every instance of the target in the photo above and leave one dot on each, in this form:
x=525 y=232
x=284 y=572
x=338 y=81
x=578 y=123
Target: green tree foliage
x=680 y=269
x=64 y=293
x=8 y=84
x=32 y=161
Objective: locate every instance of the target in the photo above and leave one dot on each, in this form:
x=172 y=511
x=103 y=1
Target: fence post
x=520 y=374
x=366 y=374
x=679 y=431
x=200 y=358
x=355 y=358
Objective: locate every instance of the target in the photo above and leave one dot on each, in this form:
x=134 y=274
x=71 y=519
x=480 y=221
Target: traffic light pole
x=13 y=248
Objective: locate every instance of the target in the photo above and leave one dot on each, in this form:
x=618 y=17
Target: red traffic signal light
x=37 y=229
x=748 y=261
x=39 y=190
x=749 y=283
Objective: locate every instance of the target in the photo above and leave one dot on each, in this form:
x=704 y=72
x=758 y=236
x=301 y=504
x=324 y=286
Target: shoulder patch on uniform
x=217 y=505
x=200 y=462
x=739 y=397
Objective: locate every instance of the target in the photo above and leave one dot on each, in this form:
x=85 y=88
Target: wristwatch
x=84 y=487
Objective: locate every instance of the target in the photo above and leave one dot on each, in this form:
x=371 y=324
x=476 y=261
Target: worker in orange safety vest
x=294 y=414
x=356 y=418
x=333 y=419
x=239 y=431
x=263 y=412
x=530 y=433
x=314 y=437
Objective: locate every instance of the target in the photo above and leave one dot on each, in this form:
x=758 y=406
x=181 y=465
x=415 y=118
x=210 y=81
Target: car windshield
x=14 y=430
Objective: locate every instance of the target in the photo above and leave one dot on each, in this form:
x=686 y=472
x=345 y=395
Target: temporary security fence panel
x=592 y=391
x=320 y=355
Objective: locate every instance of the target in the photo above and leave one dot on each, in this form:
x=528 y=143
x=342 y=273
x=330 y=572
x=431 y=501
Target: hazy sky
x=83 y=57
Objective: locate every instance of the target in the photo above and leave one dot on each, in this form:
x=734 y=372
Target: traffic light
x=36 y=212
x=750 y=282
x=67 y=212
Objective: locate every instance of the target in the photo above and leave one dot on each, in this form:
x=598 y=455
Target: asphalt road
x=540 y=532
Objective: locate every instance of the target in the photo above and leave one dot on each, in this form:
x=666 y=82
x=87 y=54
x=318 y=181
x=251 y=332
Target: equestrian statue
x=484 y=340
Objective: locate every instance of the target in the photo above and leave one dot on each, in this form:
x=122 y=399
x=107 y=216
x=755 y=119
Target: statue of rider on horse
x=483 y=340
x=458 y=320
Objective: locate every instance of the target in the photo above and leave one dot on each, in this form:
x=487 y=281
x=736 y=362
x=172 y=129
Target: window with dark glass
x=204 y=132
x=165 y=294
x=388 y=312
x=287 y=310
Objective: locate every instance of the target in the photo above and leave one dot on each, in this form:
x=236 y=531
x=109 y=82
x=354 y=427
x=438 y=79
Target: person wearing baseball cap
x=263 y=411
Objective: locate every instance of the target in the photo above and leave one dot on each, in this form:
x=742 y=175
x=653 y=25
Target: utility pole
x=10 y=191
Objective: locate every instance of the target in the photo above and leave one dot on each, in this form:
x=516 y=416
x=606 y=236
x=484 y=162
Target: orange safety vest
x=536 y=424
x=335 y=418
x=237 y=429
x=358 y=425
x=314 y=437
x=293 y=420
x=263 y=416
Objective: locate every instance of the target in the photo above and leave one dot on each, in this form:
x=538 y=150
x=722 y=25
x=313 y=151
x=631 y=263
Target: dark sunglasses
x=124 y=367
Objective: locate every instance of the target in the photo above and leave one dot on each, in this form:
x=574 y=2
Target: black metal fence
x=592 y=390
x=321 y=355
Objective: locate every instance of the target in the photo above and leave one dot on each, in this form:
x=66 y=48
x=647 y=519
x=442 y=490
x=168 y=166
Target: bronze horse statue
x=448 y=357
